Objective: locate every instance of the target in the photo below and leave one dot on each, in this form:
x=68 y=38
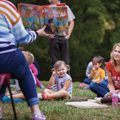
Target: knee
x=93 y=85
x=87 y=81
x=65 y=93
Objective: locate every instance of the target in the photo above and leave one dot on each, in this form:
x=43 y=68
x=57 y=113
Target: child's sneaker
x=38 y=117
x=98 y=99
x=82 y=85
x=40 y=95
x=46 y=97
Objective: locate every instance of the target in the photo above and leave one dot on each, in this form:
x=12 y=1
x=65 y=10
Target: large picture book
x=55 y=17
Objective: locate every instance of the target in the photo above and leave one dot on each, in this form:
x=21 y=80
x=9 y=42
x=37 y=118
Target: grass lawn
x=57 y=110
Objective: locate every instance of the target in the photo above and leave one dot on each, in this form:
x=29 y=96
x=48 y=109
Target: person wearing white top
x=58 y=45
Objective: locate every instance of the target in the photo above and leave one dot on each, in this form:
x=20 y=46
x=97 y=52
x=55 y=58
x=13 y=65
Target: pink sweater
x=35 y=73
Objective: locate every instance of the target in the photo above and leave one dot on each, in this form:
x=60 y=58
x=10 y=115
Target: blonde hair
x=28 y=56
x=111 y=54
x=59 y=63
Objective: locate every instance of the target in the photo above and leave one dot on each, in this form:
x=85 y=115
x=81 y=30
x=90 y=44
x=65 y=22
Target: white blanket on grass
x=86 y=104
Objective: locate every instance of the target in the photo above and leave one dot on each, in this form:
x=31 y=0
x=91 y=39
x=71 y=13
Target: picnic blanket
x=86 y=104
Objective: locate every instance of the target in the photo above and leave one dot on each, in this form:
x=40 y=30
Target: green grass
x=57 y=110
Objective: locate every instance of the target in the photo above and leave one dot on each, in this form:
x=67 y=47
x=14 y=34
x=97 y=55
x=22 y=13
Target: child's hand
x=41 y=32
x=115 y=91
x=93 y=68
x=109 y=94
x=53 y=73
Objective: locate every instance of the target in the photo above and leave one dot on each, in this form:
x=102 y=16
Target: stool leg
x=13 y=105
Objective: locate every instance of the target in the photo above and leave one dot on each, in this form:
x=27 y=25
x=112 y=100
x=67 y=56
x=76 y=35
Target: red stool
x=5 y=79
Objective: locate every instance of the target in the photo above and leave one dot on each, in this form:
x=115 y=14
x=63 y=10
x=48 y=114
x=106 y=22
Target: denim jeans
x=15 y=64
x=99 y=88
x=87 y=81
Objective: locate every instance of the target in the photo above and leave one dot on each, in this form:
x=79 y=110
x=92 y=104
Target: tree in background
x=97 y=28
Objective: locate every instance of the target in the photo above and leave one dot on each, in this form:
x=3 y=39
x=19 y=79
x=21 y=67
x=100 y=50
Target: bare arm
x=51 y=80
x=66 y=85
x=70 y=29
x=92 y=73
x=110 y=82
x=88 y=70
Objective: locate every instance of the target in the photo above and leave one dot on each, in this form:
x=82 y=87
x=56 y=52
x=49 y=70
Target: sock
x=38 y=113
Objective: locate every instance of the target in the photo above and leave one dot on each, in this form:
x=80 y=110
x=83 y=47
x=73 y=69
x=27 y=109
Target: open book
x=55 y=17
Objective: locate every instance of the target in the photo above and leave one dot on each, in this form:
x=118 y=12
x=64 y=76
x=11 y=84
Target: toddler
x=30 y=59
x=60 y=83
x=98 y=81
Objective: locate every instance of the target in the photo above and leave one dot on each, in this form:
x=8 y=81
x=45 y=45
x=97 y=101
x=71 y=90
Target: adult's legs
x=58 y=48
x=54 y=51
x=99 y=89
x=15 y=64
x=64 y=50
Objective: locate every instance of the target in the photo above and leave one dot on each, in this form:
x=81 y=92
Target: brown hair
x=111 y=54
x=100 y=60
x=59 y=63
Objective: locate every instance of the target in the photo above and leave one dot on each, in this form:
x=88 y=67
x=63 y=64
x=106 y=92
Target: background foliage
x=97 y=28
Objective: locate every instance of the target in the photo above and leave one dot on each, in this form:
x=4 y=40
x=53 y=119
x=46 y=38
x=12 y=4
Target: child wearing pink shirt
x=35 y=73
x=30 y=59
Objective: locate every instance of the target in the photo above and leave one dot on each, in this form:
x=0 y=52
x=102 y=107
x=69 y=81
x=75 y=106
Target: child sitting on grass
x=60 y=83
x=30 y=59
x=98 y=82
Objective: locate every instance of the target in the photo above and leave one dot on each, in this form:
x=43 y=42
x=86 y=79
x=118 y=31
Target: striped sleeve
x=15 y=23
x=22 y=35
x=10 y=11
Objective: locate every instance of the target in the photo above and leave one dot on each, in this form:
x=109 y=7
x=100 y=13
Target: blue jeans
x=99 y=88
x=15 y=64
x=87 y=81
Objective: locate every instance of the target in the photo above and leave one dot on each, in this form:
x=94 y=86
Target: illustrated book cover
x=55 y=17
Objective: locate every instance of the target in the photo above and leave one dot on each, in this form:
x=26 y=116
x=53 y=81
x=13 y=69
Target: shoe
x=38 y=117
x=98 y=99
x=40 y=95
x=46 y=97
x=82 y=85
x=95 y=100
